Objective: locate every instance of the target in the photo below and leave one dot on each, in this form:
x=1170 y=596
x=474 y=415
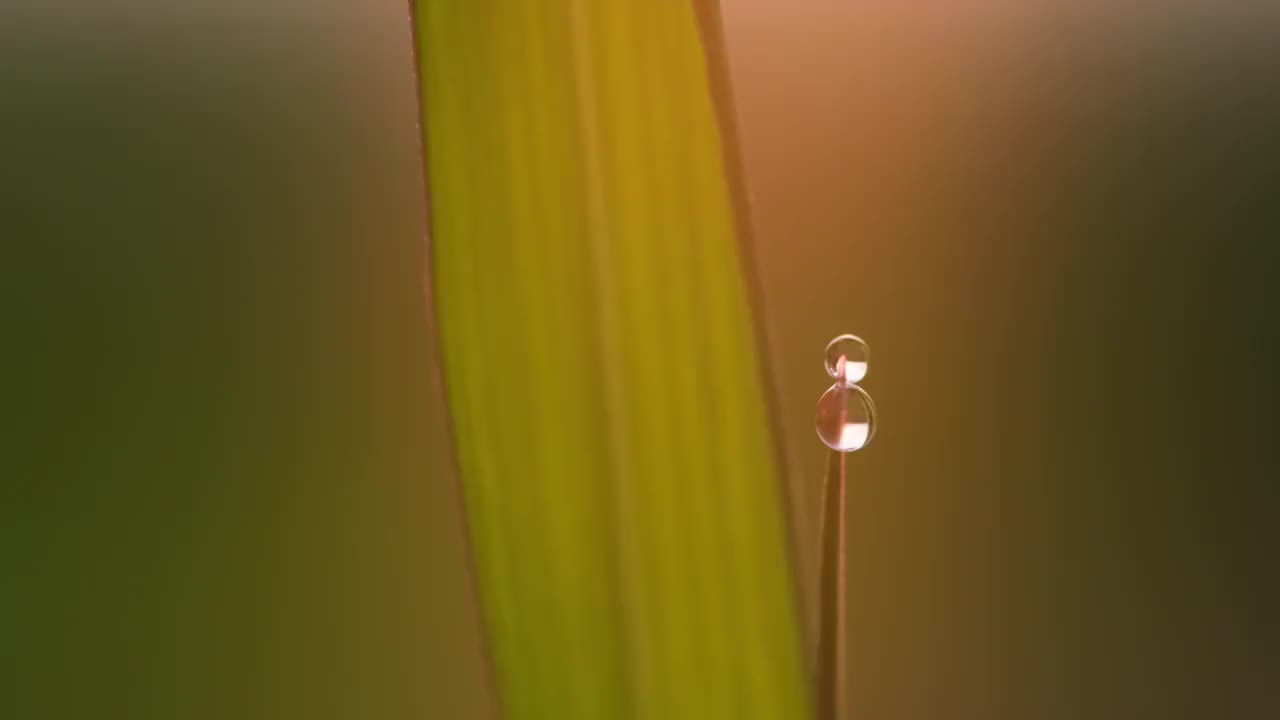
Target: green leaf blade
x=601 y=366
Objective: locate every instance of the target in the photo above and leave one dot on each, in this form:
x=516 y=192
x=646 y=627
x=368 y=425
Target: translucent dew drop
x=846 y=417
x=856 y=354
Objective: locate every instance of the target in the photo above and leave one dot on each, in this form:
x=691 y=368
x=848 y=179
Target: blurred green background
x=225 y=474
x=225 y=479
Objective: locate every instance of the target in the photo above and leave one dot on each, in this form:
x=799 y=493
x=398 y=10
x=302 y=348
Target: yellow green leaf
x=601 y=365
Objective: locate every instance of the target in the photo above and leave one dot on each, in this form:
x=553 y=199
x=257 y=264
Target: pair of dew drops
x=846 y=415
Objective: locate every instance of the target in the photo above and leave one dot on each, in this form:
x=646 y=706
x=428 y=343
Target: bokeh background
x=225 y=476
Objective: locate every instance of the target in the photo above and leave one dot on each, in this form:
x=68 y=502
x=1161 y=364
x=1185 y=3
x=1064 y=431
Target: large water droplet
x=856 y=354
x=846 y=417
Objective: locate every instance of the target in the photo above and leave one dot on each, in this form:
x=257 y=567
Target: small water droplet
x=846 y=417
x=856 y=354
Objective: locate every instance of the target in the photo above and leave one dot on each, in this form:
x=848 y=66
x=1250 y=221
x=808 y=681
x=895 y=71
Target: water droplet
x=856 y=354
x=846 y=417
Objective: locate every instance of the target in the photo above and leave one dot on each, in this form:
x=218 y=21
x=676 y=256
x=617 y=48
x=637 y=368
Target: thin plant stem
x=829 y=700
x=829 y=693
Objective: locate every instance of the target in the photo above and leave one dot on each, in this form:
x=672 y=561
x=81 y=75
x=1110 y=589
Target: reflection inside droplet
x=846 y=418
x=855 y=353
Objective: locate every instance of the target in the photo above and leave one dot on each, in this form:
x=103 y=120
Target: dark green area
x=224 y=478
